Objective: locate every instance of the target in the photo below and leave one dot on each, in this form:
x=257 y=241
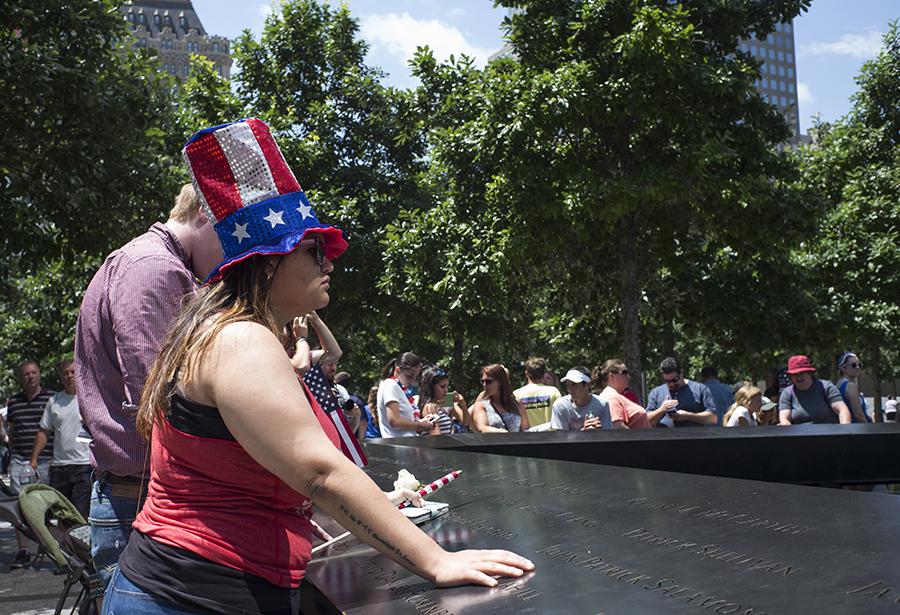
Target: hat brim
x=332 y=238
x=801 y=370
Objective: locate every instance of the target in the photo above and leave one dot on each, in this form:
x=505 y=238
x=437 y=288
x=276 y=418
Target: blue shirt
x=693 y=397
x=722 y=396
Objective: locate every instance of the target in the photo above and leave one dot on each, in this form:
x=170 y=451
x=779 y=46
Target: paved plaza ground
x=29 y=591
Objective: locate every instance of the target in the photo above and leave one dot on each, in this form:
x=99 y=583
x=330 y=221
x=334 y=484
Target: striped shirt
x=125 y=314
x=25 y=417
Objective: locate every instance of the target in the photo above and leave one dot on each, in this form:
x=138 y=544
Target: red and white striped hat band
x=249 y=193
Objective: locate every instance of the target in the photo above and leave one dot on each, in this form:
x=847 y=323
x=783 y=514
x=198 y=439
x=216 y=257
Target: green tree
x=637 y=138
x=855 y=257
x=86 y=119
x=83 y=162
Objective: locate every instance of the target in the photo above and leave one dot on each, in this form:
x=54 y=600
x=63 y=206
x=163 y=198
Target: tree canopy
x=617 y=186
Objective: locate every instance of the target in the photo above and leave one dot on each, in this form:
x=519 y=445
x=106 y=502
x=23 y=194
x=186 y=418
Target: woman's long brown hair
x=498 y=373
x=241 y=295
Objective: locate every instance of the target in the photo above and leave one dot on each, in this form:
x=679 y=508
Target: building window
x=790 y=58
x=783 y=101
x=765 y=82
x=215 y=47
x=167 y=44
x=182 y=21
x=791 y=87
x=781 y=70
x=771 y=54
x=782 y=85
x=781 y=56
x=157 y=19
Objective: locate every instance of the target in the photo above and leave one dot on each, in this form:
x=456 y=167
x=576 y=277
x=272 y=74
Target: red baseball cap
x=799 y=363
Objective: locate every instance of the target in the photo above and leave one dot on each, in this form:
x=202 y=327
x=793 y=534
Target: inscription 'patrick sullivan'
x=712 y=551
x=723 y=515
x=668 y=586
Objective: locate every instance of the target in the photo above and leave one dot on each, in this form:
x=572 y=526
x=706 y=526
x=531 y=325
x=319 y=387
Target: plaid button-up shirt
x=125 y=314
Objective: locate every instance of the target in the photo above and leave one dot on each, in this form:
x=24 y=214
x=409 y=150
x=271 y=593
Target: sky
x=832 y=40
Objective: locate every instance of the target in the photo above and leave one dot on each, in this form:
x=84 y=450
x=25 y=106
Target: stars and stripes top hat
x=251 y=196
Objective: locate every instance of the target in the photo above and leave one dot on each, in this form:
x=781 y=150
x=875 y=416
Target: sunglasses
x=486 y=381
x=623 y=372
x=317 y=250
x=671 y=381
x=855 y=365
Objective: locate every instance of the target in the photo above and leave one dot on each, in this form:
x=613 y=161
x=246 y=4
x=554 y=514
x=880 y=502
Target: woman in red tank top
x=239 y=448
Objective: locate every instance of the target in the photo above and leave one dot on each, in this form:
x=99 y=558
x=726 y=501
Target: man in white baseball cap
x=579 y=410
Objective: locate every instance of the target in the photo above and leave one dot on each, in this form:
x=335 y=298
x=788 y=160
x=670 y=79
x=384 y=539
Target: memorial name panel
x=617 y=540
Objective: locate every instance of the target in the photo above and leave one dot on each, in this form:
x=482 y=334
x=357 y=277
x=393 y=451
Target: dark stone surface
x=801 y=454
x=620 y=540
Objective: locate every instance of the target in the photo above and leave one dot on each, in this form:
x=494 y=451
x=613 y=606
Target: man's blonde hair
x=186 y=204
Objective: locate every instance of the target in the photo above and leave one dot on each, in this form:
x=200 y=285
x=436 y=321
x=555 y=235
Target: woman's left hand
x=398 y=496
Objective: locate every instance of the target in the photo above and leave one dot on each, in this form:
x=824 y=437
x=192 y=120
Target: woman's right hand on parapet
x=479 y=566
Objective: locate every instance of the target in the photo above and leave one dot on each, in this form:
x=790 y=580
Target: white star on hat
x=274 y=218
x=305 y=210
x=240 y=231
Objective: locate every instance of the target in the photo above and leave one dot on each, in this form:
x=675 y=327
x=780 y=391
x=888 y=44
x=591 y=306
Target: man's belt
x=121 y=486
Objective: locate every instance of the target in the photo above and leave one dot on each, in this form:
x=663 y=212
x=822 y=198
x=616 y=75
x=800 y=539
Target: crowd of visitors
x=602 y=398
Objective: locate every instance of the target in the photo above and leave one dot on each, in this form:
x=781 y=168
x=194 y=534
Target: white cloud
x=456 y=13
x=855 y=45
x=400 y=34
x=804 y=96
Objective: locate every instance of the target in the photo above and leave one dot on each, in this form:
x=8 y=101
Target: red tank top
x=209 y=497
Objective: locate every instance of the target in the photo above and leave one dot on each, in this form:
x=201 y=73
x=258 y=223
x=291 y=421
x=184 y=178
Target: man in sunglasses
x=125 y=313
x=680 y=402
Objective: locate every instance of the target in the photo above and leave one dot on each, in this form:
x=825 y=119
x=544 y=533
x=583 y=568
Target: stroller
x=47 y=517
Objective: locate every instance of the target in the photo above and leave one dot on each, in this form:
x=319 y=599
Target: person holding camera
x=679 y=402
x=446 y=410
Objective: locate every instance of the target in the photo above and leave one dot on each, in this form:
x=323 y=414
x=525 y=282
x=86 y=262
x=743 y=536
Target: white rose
x=405 y=480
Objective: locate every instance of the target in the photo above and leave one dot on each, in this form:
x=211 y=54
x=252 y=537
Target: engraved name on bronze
x=876 y=590
x=705 y=512
x=667 y=586
x=713 y=551
x=481 y=525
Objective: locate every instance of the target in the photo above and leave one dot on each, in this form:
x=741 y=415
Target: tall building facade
x=778 y=76
x=174 y=30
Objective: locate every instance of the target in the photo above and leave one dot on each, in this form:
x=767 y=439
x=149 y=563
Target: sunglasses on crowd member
x=855 y=365
x=621 y=372
x=486 y=381
x=673 y=380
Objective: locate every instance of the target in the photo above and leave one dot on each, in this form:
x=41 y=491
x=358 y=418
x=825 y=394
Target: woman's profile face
x=300 y=284
x=440 y=388
x=490 y=384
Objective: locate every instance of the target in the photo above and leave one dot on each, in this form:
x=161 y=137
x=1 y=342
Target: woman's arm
x=398 y=422
x=429 y=409
x=852 y=394
x=479 y=420
x=247 y=377
x=301 y=358
x=331 y=351
x=461 y=411
x=524 y=425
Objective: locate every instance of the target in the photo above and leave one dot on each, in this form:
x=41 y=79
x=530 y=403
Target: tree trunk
x=457 y=369
x=626 y=229
x=877 y=411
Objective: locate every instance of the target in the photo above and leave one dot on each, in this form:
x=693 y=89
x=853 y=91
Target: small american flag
x=321 y=390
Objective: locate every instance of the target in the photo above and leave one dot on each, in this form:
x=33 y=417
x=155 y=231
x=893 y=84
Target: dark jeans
x=74 y=482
